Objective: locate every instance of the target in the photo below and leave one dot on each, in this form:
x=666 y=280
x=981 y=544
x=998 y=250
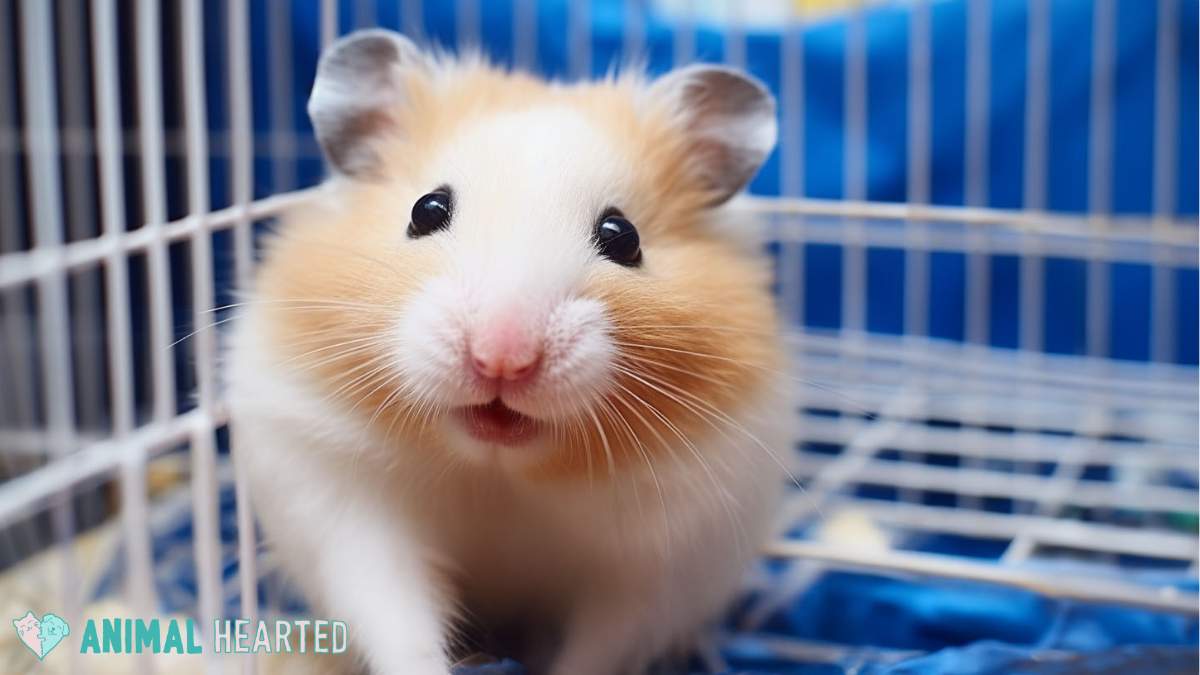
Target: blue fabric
x=1068 y=118
x=984 y=658
x=887 y=41
x=989 y=658
x=884 y=624
x=887 y=625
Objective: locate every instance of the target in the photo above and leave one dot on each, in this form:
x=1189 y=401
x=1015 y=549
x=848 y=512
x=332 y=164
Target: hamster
x=510 y=371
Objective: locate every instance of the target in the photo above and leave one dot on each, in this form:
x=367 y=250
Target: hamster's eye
x=618 y=239
x=431 y=213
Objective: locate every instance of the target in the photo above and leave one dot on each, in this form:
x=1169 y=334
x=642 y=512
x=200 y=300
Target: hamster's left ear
x=729 y=120
x=358 y=94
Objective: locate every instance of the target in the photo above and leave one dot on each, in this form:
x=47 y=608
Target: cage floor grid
x=1028 y=478
x=1025 y=459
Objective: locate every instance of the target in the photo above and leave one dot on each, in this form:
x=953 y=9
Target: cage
x=982 y=215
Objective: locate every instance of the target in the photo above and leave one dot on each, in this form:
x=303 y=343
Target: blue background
x=887 y=35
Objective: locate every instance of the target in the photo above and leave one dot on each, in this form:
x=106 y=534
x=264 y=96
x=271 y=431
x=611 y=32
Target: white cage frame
x=901 y=380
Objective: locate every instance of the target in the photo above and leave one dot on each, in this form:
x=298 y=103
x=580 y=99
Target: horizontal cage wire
x=990 y=311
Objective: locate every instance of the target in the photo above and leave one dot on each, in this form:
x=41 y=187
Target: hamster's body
x=507 y=549
x=497 y=415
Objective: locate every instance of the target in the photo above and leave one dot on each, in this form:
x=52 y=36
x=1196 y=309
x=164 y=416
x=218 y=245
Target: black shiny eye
x=618 y=239
x=431 y=213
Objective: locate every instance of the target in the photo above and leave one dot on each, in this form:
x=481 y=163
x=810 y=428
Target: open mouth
x=497 y=423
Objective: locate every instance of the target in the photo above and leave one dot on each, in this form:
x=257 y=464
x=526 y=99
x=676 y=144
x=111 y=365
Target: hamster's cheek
x=695 y=331
x=430 y=345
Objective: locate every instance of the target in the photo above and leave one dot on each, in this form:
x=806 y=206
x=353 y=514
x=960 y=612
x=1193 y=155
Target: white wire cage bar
x=120 y=241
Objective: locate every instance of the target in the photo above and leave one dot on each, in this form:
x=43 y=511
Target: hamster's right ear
x=357 y=97
x=728 y=119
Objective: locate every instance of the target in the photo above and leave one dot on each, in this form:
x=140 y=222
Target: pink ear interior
x=730 y=121
x=360 y=83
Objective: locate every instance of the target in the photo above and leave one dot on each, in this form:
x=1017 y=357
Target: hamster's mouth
x=497 y=423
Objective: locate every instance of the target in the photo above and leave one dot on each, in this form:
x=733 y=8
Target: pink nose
x=505 y=350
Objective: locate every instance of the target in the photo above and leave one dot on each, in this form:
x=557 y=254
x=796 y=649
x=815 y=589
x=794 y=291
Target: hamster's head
x=515 y=271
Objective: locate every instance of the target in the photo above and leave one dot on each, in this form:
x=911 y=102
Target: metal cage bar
x=41 y=116
x=1021 y=426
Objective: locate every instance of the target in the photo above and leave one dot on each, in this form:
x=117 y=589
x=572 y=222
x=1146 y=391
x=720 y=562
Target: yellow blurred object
x=810 y=6
x=853 y=529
